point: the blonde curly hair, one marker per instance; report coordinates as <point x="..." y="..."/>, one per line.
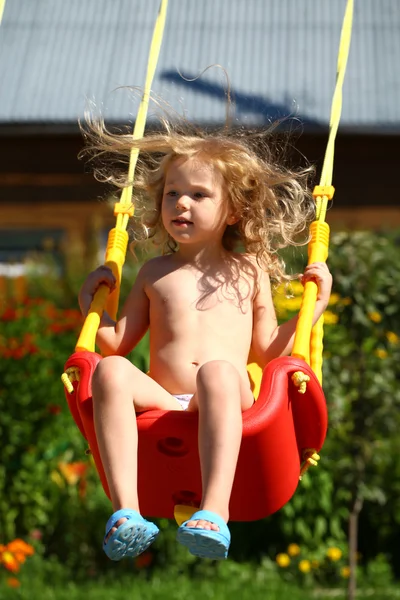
<point x="272" y="202"/>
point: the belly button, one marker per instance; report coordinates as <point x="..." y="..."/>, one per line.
<point x="195" y="364"/>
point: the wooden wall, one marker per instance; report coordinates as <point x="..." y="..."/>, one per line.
<point x="44" y="185"/>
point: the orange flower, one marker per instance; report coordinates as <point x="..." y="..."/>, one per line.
<point x="13" y="582"/>
<point x="20" y="288"/>
<point x="74" y="471"/>
<point x="20" y="547"/>
<point x="10" y="314"/>
<point x="345" y="572"/>
<point x="50" y="311"/>
<point x="10" y="562"/>
<point x="56" y="328"/>
<point x="73" y="314"/>
<point x="20" y="557"/>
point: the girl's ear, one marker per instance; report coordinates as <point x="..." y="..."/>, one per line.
<point x="232" y="219"/>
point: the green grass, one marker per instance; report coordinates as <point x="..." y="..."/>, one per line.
<point x="158" y="588"/>
<point x="170" y="587"/>
<point x="49" y="579"/>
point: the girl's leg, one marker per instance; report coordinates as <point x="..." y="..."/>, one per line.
<point x="118" y="386"/>
<point x="220" y="399"/>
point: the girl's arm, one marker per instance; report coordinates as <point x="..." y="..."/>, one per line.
<point x="118" y="337"/>
<point x="271" y="340"/>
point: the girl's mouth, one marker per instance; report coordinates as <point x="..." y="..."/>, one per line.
<point x="182" y="222"/>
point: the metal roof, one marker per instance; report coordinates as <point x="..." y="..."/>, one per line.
<point x="280" y="56"/>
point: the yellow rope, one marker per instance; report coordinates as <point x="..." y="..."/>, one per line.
<point x="126" y="197"/>
<point x="118" y="237"/>
<point x="344" y="47"/>
<point x="308" y="340"/>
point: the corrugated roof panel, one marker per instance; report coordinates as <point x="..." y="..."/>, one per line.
<point x="280" y="56"/>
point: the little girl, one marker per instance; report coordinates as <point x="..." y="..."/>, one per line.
<point x="220" y="210"/>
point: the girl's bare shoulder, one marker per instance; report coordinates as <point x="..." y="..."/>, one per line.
<point x="249" y="265"/>
<point x="254" y="272"/>
<point x="155" y="268"/>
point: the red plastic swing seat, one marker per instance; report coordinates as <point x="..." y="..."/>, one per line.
<point x="277" y="430"/>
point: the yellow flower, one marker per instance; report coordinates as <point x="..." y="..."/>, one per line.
<point x="296" y="288"/>
<point x="346" y="301"/>
<point x="381" y="353"/>
<point x="330" y="318"/>
<point x="375" y="317"/>
<point x="293" y="550"/>
<point x="305" y="566"/>
<point x="334" y="554"/>
<point x="283" y="560"/>
<point x="10" y="562"/>
<point x="57" y="479"/>
<point x="392" y="337"/>
<point x="334" y="299"/>
<point x="345" y="572"/>
<point x="315" y="564"/>
<point x="280" y="290"/>
<point x="292" y="303"/>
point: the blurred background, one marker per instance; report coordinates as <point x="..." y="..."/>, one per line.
<point x="61" y="59"/>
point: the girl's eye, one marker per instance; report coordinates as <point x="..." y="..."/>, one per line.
<point x="198" y="195"/>
<point x="172" y="193"/>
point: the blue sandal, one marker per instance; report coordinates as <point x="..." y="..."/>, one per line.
<point x="131" y="538"/>
<point x="205" y="543"/>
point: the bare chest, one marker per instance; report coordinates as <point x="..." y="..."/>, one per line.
<point x="183" y="294"/>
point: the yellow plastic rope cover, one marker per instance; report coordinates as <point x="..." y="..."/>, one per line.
<point x="308" y="340"/>
<point x="118" y="237"/>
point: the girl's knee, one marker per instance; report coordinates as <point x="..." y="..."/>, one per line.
<point x="110" y="371"/>
<point x="217" y="373"/>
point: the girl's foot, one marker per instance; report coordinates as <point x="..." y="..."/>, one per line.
<point x="128" y="534"/>
<point x="210" y="541"/>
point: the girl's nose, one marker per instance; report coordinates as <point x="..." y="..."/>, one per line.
<point x="182" y="202"/>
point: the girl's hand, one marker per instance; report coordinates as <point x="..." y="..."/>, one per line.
<point x="319" y="273"/>
<point x="102" y="275"/>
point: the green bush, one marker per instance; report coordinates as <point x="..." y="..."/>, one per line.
<point x="47" y="484"/>
<point x="49" y="487"/>
<point x="361" y="378"/>
<point x="360" y="459"/>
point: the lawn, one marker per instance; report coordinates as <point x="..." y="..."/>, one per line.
<point x="165" y="587"/>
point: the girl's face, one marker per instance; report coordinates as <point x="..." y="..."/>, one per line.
<point x="195" y="207"/>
